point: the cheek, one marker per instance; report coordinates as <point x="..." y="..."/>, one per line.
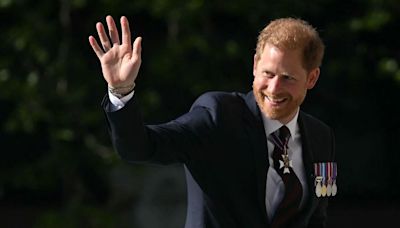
<point x="297" y="88"/>
<point x="299" y="93"/>
<point x="259" y="83"/>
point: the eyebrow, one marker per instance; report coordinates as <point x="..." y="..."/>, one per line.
<point x="285" y="73"/>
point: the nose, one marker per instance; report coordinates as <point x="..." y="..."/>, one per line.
<point x="274" y="85"/>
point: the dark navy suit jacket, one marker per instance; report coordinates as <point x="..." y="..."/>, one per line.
<point x="222" y="143"/>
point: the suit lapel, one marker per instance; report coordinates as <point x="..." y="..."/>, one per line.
<point x="308" y="160"/>
<point x="260" y="150"/>
<point x="308" y="156"/>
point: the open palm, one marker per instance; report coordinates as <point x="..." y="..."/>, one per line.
<point x="120" y="62"/>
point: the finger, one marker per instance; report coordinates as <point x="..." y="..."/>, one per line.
<point x="103" y="37"/>
<point x="96" y="48"/>
<point x="137" y="48"/>
<point x="126" y="33"/>
<point x="112" y="30"/>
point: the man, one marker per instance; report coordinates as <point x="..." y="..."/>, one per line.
<point x="251" y="160"/>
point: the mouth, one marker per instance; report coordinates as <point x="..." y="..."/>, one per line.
<point x="274" y="101"/>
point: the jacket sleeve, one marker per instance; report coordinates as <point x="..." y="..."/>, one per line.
<point x="175" y="141"/>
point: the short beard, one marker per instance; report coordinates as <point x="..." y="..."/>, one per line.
<point x="274" y="114"/>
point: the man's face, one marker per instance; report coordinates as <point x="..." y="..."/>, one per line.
<point x="281" y="83"/>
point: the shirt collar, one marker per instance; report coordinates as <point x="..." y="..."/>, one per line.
<point x="271" y="125"/>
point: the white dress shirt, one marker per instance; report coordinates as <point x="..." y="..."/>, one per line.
<point x="275" y="187"/>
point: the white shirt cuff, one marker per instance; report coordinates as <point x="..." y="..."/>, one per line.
<point x="118" y="103"/>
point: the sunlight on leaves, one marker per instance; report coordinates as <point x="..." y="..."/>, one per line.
<point x="4" y="75"/>
<point x="373" y="21"/>
<point x="32" y="79"/>
<point x="5" y="3"/>
<point x="389" y="65"/>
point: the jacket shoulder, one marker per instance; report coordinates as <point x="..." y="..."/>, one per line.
<point x="221" y="105"/>
<point x="321" y="135"/>
<point x="218" y="97"/>
<point x="312" y="122"/>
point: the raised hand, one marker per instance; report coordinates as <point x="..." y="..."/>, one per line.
<point x="120" y="62"/>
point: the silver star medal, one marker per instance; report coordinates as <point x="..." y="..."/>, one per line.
<point x="285" y="163"/>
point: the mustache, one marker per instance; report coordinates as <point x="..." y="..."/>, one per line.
<point x="274" y="96"/>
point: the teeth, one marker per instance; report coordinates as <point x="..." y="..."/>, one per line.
<point x="275" y="100"/>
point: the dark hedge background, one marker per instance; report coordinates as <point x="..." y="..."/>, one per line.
<point x="57" y="165"/>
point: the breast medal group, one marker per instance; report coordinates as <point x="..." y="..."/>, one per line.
<point x="325" y="179"/>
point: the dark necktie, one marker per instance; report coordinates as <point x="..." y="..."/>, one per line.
<point x="289" y="206"/>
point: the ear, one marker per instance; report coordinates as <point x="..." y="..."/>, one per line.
<point x="313" y="78"/>
<point x="255" y="61"/>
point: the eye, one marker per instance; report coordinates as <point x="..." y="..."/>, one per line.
<point x="268" y="74"/>
<point x="288" y="77"/>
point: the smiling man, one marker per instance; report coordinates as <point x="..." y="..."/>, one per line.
<point x="251" y="160"/>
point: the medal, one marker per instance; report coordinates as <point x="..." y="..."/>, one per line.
<point x="286" y="163"/>
<point x="325" y="179"/>
<point x="318" y="180"/>
<point x="334" y="175"/>
<point x="329" y="182"/>
<point x="334" y="188"/>
<point x="329" y="189"/>
<point x="323" y="190"/>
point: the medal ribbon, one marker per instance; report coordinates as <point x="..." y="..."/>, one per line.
<point x="278" y="142"/>
<point x="329" y="171"/>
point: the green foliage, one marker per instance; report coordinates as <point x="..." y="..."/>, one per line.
<point x="55" y="148"/>
<point x="76" y="215"/>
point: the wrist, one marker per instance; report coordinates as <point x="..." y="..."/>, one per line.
<point x="121" y="91"/>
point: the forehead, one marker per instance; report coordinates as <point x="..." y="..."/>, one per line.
<point x="279" y="59"/>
